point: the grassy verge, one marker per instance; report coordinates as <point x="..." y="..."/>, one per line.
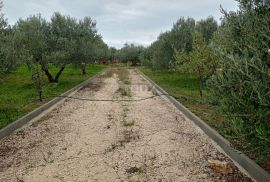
<point x="185" y="88"/>
<point x="18" y="95"/>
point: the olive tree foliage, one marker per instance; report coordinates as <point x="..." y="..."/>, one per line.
<point x="32" y="35"/>
<point x="86" y="40"/>
<point x="112" y="54"/>
<point x="200" y="62"/>
<point x="179" y="37"/>
<point x="207" y="27"/>
<point x="146" y="57"/>
<point x="181" y="34"/>
<point x="245" y="38"/>
<point x="199" y="59"/>
<point x="130" y="53"/>
<point x="101" y="49"/>
<point x="9" y="52"/>
<point x="247" y="30"/>
<point x="242" y="84"/>
<point x="161" y="53"/>
<point x="61" y="41"/>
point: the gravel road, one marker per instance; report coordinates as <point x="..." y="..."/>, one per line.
<point x="147" y="140"/>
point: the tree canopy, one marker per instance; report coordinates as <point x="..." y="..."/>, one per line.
<point x="62" y="40"/>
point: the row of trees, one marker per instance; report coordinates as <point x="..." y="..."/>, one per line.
<point x="232" y="60"/>
<point x="184" y="48"/>
<point x="130" y="53"/>
<point x="61" y="41"/>
<point x="161" y="53"/>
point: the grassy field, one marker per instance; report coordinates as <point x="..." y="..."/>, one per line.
<point x="185" y="89"/>
<point x="18" y="95"/>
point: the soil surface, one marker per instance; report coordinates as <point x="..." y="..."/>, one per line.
<point x="147" y="140"/>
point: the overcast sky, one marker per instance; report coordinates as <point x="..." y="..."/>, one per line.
<point x="120" y="21"/>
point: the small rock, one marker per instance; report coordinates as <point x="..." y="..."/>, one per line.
<point x="219" y="166"/>
<point x="134" y="178"/>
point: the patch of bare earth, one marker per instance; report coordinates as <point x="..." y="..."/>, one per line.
<point x="83" y="140"/>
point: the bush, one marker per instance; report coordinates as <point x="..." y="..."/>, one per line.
<point x="242" y="88"/>
<point x="241" y="85"/>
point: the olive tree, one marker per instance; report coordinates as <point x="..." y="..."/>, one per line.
<point x="9" y="49"/>
<point x="61" y="44"/>
<point x="207" y="27"/>
<point x="146" y="57"/>
<point x="101" y="48"/>
<point x="242" y="84"/>
<point x="49" y="43"/>
<point x="112" y="54"/>
<point x="32" y="35"/>
<point x="178" y="38"/>
<point x="161" y="53"/>
<point x="242" y="44"/>
<point x="85" y="43"/>
<point x="130" y="53"/>
<point x="200" y="61"/>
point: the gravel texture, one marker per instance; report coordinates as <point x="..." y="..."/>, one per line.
<point x="149" y="140"/>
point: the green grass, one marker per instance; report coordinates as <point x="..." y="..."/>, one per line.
<point x="185" y="88"/>
<point x="175" y="83"/>
<point x="18" y="95"/>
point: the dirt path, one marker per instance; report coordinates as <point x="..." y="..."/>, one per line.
<point x="148" y="140"/>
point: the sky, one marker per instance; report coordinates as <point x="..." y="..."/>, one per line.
<point x="122" y="21"/>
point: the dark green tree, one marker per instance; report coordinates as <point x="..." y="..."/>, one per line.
<point x="9" y="49"/>
<point x="85" y="42"/>
<point x="130" y="53"/>
<point x="242" y="83"/>
<point x="32" y="35"/>
<point x="61" y="44"/>
<point x="200" y="62"/>
<point x="207" y="27"/>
